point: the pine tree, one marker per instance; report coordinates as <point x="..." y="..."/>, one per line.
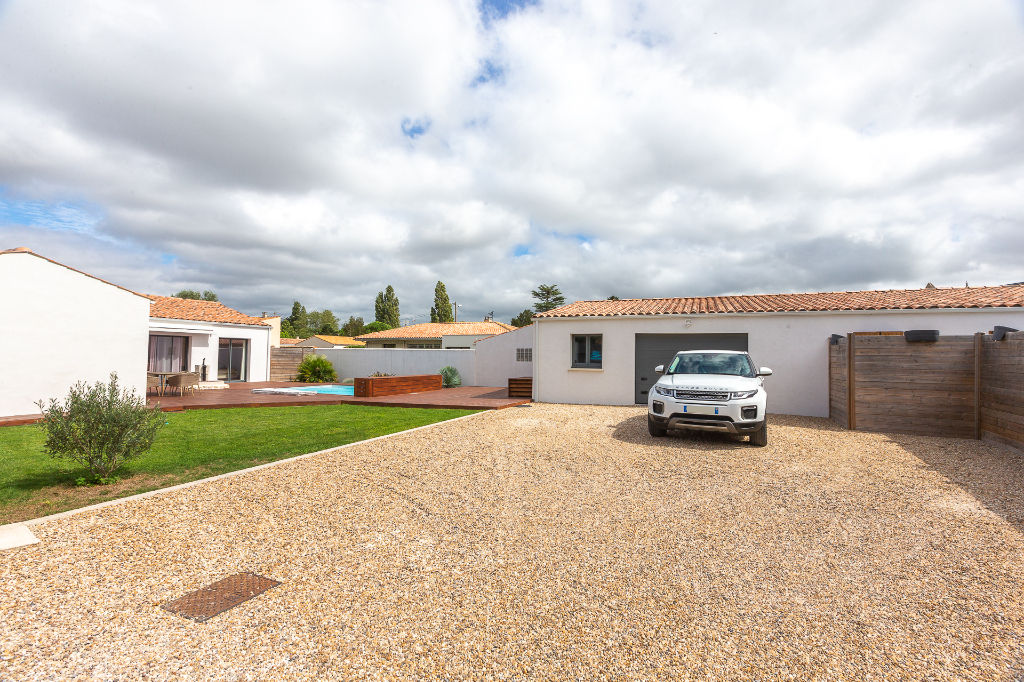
<point x="548" y="297"/>
<point x="442" y="310"/>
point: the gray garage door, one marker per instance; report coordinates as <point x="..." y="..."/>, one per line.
<point x="657" y="349"/>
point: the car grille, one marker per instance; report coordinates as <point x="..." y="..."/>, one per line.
<point x="702" y="395"/>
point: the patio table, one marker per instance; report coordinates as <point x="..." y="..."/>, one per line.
<point x="163" y="378"/>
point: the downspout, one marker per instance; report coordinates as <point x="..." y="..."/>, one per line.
<point x="536" y="375"/>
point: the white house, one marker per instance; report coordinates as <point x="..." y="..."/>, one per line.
<point x="605" y="352"/>
<point x="59" y="326"/>
<point x="186" y="334"/>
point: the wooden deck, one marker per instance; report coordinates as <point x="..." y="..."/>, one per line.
<point x="241" y="395"/>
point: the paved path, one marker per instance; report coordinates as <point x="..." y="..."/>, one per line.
<point x="550" y="542"/>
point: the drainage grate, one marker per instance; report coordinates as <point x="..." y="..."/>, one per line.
<point x="207" y="602"/>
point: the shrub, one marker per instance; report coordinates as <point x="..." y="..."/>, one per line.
<point x="450" y="377"/>
<point x="383" y="374"/>
<point x="100" y="427"/>
<point x="316" y="369"/>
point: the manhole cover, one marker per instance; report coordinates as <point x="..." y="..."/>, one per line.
<point x="207" y="602"/>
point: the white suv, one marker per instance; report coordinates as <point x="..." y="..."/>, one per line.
<point x="710" y="390"/>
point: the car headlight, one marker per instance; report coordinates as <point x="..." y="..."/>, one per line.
<point x="740" y="395"/>
<point x="661" y="390"/>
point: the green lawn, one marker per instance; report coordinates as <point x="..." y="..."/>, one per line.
<point x="193" y="444"/>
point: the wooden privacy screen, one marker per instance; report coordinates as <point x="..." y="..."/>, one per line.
<point x="284" y="362"/>
<point x="958" y="386"/>
<point x="374" y="387"/>
<point x="1002" y="388"/>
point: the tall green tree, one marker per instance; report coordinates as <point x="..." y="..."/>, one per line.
<point x="442" y="310"/>
<point x="298" y="319"/>
<point x="386" y="308"/>
<point x="321" y="322"/>
<point x="207" y="295"/>
<point x="522" y="319"/>
<point x="548" y="298"/>
<point x="287" y="330"/>
<point x="354" y="327"/>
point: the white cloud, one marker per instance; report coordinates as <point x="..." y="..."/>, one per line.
<point x="647" y="149"/>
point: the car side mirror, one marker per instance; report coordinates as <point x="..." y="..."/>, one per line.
<point x="660" y="369"/>
<point x="764" y="372"/>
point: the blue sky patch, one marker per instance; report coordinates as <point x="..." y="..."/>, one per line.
<point x="52" y="215"/>
<point x="521" y="250"/>
<point x="489" y="71"/>
<point x="492" y="10"/>
<point x="413" y="128"/>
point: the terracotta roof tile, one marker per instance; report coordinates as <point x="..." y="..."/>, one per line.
<point x="1010" y="296"/>
<point x="172" y="308"/>
<point x="435" y="330"/>
<point x="290" y="342"/>
<point x="339" y="340"/>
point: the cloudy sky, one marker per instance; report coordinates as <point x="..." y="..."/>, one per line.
<point x="321" y="150"/>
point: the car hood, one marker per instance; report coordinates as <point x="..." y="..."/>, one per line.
<point x="709" y="382"/>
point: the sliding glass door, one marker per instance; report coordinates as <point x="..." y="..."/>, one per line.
<point x="168" y="353"/>
<point x="232" y="357"/>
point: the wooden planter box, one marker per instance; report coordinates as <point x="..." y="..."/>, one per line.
<point x="374" y="387"/>
<point x="520" y="387"/>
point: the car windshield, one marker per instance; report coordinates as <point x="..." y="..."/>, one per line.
<point x="736" y="364"/>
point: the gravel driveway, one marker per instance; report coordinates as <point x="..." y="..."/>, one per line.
<point x="550" y="541"/>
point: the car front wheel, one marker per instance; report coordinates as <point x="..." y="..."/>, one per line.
<point x="654" y="429"/>
<point x="759" y="438"/>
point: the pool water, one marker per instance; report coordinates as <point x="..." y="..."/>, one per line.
<point x="330" y="389"/>
<point x="326" y="389"/>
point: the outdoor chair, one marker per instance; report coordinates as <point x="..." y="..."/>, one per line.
<point x="153" y="383"/>
<point x="184" y="382"/>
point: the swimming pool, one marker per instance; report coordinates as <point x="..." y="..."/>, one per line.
<point x="326" y="389"/>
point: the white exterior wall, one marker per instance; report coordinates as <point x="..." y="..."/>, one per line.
<point x="362" y="362"/>
<point x="461" y="340"/>
<point x="496" y="357"/>
<point x="59" y="326"/>
<point x="204" y="341"/>
<point x="794" y="345"/>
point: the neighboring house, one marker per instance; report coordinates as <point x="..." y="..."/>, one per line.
<point x="435" y="335"/>
<point x="186" y="334"/>
<point x="503" y="356"/>
<point x="605" y="352"/>
<point x="275" y="329"/>
<point x="81" y="328"/>
<point x="288" y="343"/>
<point x="328" y="341"/>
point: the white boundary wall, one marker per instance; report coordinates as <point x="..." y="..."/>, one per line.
<point x="496" y="357"/>
<point x="362" y="362"/>
<point x="59" y="326"/>
<point x="794" y="345"/>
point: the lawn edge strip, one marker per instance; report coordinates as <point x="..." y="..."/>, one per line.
<point x="199" y="481"/>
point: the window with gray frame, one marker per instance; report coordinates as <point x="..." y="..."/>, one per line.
<point x="586" y="351"/>
<point x="524" y="355"/>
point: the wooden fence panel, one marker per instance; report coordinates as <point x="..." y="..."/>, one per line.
<point x="958" y="386"/>
<point x="1002" y="389"/>
<point x="284" y="362"/>
<point x="925" y="388"/>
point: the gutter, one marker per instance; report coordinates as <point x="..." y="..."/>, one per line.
<point x="884" y="311"/>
